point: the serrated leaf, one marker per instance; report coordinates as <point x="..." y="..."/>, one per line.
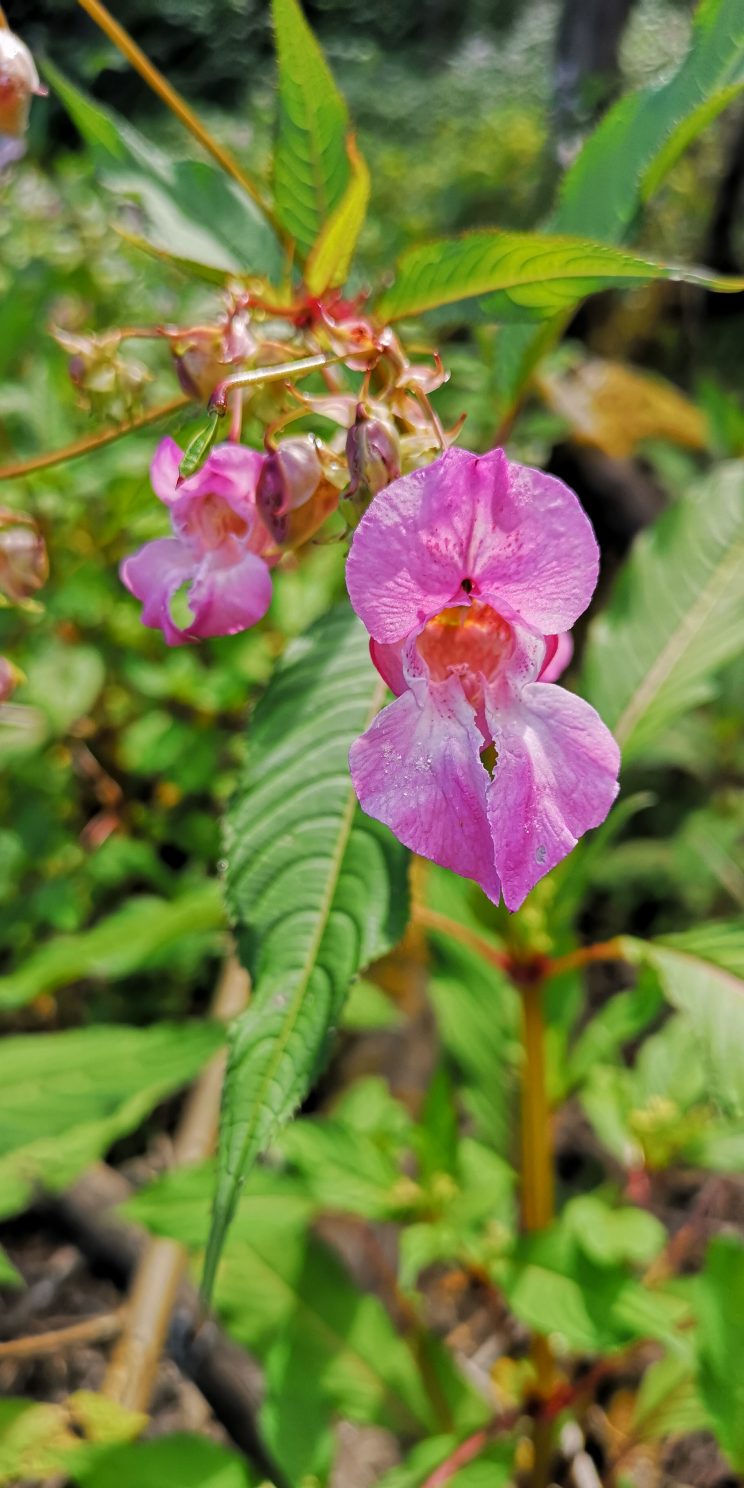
<point x="195" y="215"/>
<point x="126" y="941"/>
<point x="627" y="157"/>
<point x="332" y="253"/>
<point x="675" y="617"/>
<point x="310" y="163"/>
<point x="68" y="1096"/>
<point x="702" y="974"/>
<point x="523" y="276"/>
<point x="317" y="889"/>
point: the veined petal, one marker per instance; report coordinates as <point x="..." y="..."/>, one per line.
<point x="532" y="547"/>
<point x="418" y="769"/>
<point x="389" y="661"/>
<point x="227" y="598"/>
<point x="409" y="554"/>
<point x="152" y="575"/>
<point x="164" y="470"/>
<point x="510" y="536"/>
<point x="555" y="777"/>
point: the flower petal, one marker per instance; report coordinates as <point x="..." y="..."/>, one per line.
<point x="516" y="537"/>
<point x="533" y="549"/>
<point x="153" y="574"/>
<point x="390" y="663"/>
<point x="164" y="470"/>
<point x="418" y="769"/>
<point x="560" y="649"/>
<point x="555" y="777"/>
<point x="408" y="557"/>
<point x="227" y="598"/>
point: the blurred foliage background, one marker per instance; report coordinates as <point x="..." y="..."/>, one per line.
<point x="121" y="754"/>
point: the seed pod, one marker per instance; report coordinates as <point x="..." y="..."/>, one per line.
<point x="18" y="81"/>
<point x="293" y="495"/>
<point x="23" y="557"/>
<point x="373" y="456"/>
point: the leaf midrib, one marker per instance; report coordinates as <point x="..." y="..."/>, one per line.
<point x="309" y="963"/>
<point x="678" y="643"/>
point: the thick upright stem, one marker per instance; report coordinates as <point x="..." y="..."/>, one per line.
<point x="537" y="1188"/>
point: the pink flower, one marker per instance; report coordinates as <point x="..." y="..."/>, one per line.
<point x="467" y="574"/>
<point x="221" y="548"/>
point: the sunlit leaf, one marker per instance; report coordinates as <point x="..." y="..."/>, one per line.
<point x="317" y="889"/>
<point x="311" y="168"/>
<point x="68" y="1096"/>
<point x="331" y="255"/>
<point x="194" y="214"/>
<point x="627" y="157"/>
<point x="129" y="939"/>
<point x="702" y="974"/>
<point x="676" y="615"/>
<point x="522" y="276"/>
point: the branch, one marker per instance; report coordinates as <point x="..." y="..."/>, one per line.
<point x="430" y="919"/>
<point x="131" y="1373"/>
<point x="173" y="100"/>
<point x="92" y="441"/>
<point x="99" y="1329"/>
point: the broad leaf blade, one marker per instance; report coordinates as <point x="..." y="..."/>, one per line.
<point x="310" y="164"/>
<point x="329" y="261"/>
<point x="196" y="217"/>
<point x="702" y="974"/>
<point x="676" y="615"/>
<point x="720" y="1313"/>
<point x="68" y="1096"/>
<point x="522" y="276"/>
<point x="317" y="889"/>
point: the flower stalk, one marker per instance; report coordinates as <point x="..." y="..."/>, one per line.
<point x="537" y="1189"/>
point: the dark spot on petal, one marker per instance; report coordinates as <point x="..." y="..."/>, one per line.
<point x="467" y="585"/>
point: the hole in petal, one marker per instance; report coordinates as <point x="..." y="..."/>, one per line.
<point x="488" y="756"/>
<point x="467" y="585"/>
<point x="179" y="608"/>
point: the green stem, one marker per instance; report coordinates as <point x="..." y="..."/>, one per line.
<point x="537" y="1191"/>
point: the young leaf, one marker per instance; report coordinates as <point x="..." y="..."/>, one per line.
<point x="522" y="276"/>
<point x="702" y="974"/>
<point x="317" y="889"/>
<point x="627" y="157"/>
<point x="196" y="217"/>
<point x="68" y="1096"/>
<point x="675" y="617"/>
<point x="310" y="164"/>
<point x="331" y="254"/>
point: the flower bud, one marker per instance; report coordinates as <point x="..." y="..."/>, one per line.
<point x="18" y="81"/>
<point x="372" y="454"/>
<point x="293" y="496"/>
<point x="23" y="557"/>
<point x="10" y="676"/>
<point x="204" y="356"/>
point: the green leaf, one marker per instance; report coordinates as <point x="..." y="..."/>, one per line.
<point x="326" y="1348"/>
<point x="68" y="1096"/>
<point x="720" y="1343"/>
<point x="317" y="889"/>
<point x="522" y="276"/>
<point x="64" y="682"/>
<point x="331" y="255"/>
<point x="611" y="1236"/>
<point x="675" y="617"/>
<point x="626" y="158"/>
<point x="702" y="974"/>
<point x="178" y="1461"/>
<point x="668" y="1402"/>
<point x="9" y="1276"/>
<point x="134" y="936"/>
<point x="195" y="215"/>
<point x="198" y="448"/>
<point x="311" y="169"/>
